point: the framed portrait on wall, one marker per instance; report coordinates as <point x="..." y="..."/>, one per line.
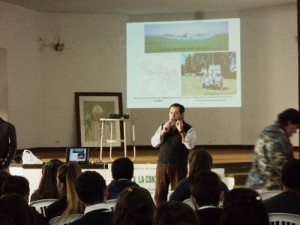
<point x="90" y="108"/>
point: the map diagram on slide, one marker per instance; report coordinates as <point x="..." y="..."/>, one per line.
<point x="159" y="76"/>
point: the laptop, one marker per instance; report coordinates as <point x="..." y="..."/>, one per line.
<point x="77" y="154"/>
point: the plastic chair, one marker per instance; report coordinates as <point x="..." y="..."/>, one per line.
<point x="284" y="219"/>
<point x="268" y="194"/>
<point x="42" y="204"/>
<point x="189" y="202"/>
<point x="58" y="220"/>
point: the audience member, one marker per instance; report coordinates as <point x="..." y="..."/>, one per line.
<point x="8" y="144"/>
<point x="175" y="213"/>
<point x="135" y="206"/>
<point x="243" y="206"/>
<point x="68" y="202"/>
<point x="92" y="191"/>
<point x="206" y="191"/>
<point x="199" y="160"/>
<point x="15" y="211"/>
<point x="174" y="139"/>
<point x="47" y="187"/>
<point x="20" y="185"/>
<point x="122" y="173"/>
<point x="289" y="200"/>
<point x="3" y="175"/>
<point x="272" y="149"/>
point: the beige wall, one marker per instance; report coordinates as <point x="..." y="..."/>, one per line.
<point x="41" y="82"/>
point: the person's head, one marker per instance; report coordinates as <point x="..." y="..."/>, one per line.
<point x="289" y="120"/>
<point x="243" y="206"/>
<point x="16" y="184"/>
<point x="175" y="213"/>
<point x="199" y="160"/>
<point x="176" y="112"/>
<point x="16" y="210"/>
<point x="97" y="112"/>
<point x="49" y="169"/>
<point x="290" y="175"/>
<point x="134" y="206"/>
<point x="122" y="168"/>
<point x="48" y="186"/>
<point x="205" y="188"/>
<point x="66" y="177"/>
<point x="91" y="188"/>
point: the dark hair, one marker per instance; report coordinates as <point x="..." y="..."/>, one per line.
<point x="122" y="168"/>
<point x="3" y="175"/>
<point x="289" y="115"/>
<point x="90" y="187"/>
<point x="290" y="175"/>
<point x="205" y="186"/>
<point x="243" y="206"/>
<point x="199" y="160"/>
<point x="177" y="105"/>
<point x="134" y="206"/>
<point x="16" y="210"/>
<point x="15" y="184"/>
<point x="48" y="186"/>
<point x="4" y="219"/>
<point x="175" y="213"/>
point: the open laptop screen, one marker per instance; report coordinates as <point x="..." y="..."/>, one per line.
<point x="77" y="154"/>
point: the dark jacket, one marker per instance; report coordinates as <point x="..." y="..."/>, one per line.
<point x="8" y="143"/>
<point x="182" y="191"/>
<point x="56" y="208"/>
<point x="116" y="186"/>
<point x="285" y="202"/>
<point x="95" y="217"/>
<point x="209" y="216"/>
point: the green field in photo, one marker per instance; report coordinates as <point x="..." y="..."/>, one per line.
<point x="192" y="86"/>
<point x="163" y="44"/>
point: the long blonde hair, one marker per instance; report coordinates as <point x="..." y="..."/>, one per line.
<point x="67" y="174"/>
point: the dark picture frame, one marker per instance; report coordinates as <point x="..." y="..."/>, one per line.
<point x="90" y="107"/>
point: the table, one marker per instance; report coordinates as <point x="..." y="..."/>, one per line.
<point x="113" y="139"/>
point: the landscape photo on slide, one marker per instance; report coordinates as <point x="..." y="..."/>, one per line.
<point x="186" y="37"/>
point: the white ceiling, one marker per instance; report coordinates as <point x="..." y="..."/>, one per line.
<point x="135" y="7"/>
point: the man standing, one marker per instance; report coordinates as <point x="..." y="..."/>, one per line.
<point x="174" y="138"/>
<point x="8" y="143"/>
<point x="272" y="149"/>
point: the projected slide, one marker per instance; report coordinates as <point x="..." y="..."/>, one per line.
<point x="195" y="63"/>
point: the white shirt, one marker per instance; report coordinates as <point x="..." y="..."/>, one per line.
<point x="189" y="141"/>
<point x="95" y="207"/>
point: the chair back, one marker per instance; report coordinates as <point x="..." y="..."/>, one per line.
<point x="268" y="194"/>
<point x="284" y="219"/>
<point x="59" y="220"/>
<point x="42" y="204"/>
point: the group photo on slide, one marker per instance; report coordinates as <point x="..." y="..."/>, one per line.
<point x="209" y="73"/>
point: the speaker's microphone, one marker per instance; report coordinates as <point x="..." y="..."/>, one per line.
<point x="171" y="123"/>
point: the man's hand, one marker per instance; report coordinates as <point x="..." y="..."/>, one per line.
<point x="179" y="125"/>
